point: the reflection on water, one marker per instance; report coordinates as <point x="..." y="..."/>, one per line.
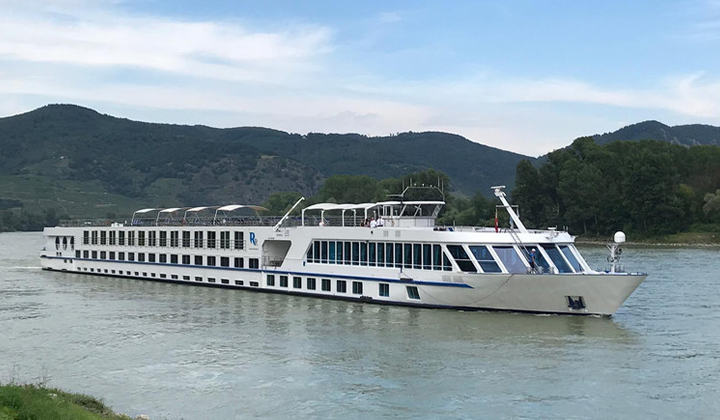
<point x="176" y="351"/>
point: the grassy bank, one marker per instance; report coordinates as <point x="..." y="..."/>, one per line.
<point x="40" y="403"/>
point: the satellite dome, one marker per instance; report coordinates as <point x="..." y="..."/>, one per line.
<point x="619" y="237"/>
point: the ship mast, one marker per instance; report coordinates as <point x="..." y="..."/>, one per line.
<point x="499" y="193"/>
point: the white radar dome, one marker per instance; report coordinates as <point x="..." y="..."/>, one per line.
<point x="619" y="237"/>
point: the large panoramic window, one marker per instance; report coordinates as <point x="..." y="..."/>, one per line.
<point x="511" y="259"/>
<point x="571" y="257"/>
<point x="557" y="258"/>
<point x="461" y="258"/>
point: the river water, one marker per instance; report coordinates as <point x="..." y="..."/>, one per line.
<point x="185" y="352"/>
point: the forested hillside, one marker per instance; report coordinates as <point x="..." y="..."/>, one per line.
<point x="687" y="135"/>
<point x="80" y="163"/>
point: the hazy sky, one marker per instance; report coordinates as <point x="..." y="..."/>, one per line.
<point x="527" y="76"/>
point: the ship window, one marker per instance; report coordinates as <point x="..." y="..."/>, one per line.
<point x="254" y="284"/>
<point x="172" y="276"/>
<point x="111" y="255"/>
<point x="270" y="279"/>
<point x="355" y="253"/>
<point x="309" y="256"/>
<point x="173" y="259"/>
<point x="297" y="282"/>
<point x="412" y="292"/>
<point x="283" y="281"/>
<point x="186" y="277"/>
<point x="141" y="256"/>
<point x="253" y="263"/>
<point x="347" y="247"/>
<point x="427" y="256"/>
<point x="324" y="252"/>
<point x="437" y="257"/>
<point x="198" y="260"/>
<point x="163" y="238"/>
<point x="225" y="239"/>
<point x="198" y="239"/>
<point x="381" y="254"/>
<point x="131" y="238"/>
<point x="571" y="258"/>
<point x="211" y="280"/>
<point x="341" y="286"/>
<point x="239" y="240"/>
<point x="211" y="261"/>
<point x="225" y="281"/>
<point x="103" y="255"/>
<point x="325" y="284"/>
<point x="174" y="235"/>
<point x="141" y="237"/>
<point x="224" y="261"/>
<point x="311" y="283"/>
<point x="389" y="253"/>
<point x="487" y="262"/>
<point x="152" y="238"/>
<point x="372" y="253"/>
<point x="131" y="256"/>
<point x="407" y="255"/>
<point x="186" y="239"/>
<point x="198" y="278"/>
<point x="151" y="257"/>
<point x="331" y="252"/>
<point x="417" y="256"/>
<point x="357" y="287"/>
<point x="316" y="251"/>
<point x="384" y="289"/>
<point x="94" y="254"/>
<point x="186" y="259"/>
<point x="94" y="237"/>
<point x="238" y="282"/>
<point x="121" y="237"/>
<point x="363" y="253"/>
<point x="121" y="256"/>
<point x="103" y="237"/>
<point x="461" y="258"/>
<point x="211" y="239"/>
<point x="339" y="252"/>
<point x="77" y="254"/>
<point x="238" y="262"/>
<point x="557" y="258"/>
<point x="86" y="237"/>
<point x="163" y="258"/>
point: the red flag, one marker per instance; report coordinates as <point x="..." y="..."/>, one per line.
<point x="497" y="229"/>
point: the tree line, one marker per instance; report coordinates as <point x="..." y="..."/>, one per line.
<point x="648" y="188"/>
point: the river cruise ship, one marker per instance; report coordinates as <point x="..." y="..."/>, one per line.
<point x="387" y="252"/>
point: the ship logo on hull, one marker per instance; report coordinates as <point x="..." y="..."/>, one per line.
<point x="253" y="239"/>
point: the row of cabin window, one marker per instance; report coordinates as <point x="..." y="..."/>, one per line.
<point x="379" y="254"/>
<point x="164" y="276"/>
<point x="210" y="261"/>
<point x="155" y="238"/>
<point x="340" y="285"/>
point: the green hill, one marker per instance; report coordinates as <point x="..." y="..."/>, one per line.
<point x="86" y="164"/>
<point x="686" y="135"/>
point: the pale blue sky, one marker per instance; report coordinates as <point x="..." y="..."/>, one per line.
<point x="526" y="76"/>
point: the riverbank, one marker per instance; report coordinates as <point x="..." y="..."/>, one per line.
<point x="40" y="403"/>
<point x="680" y="240"/>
